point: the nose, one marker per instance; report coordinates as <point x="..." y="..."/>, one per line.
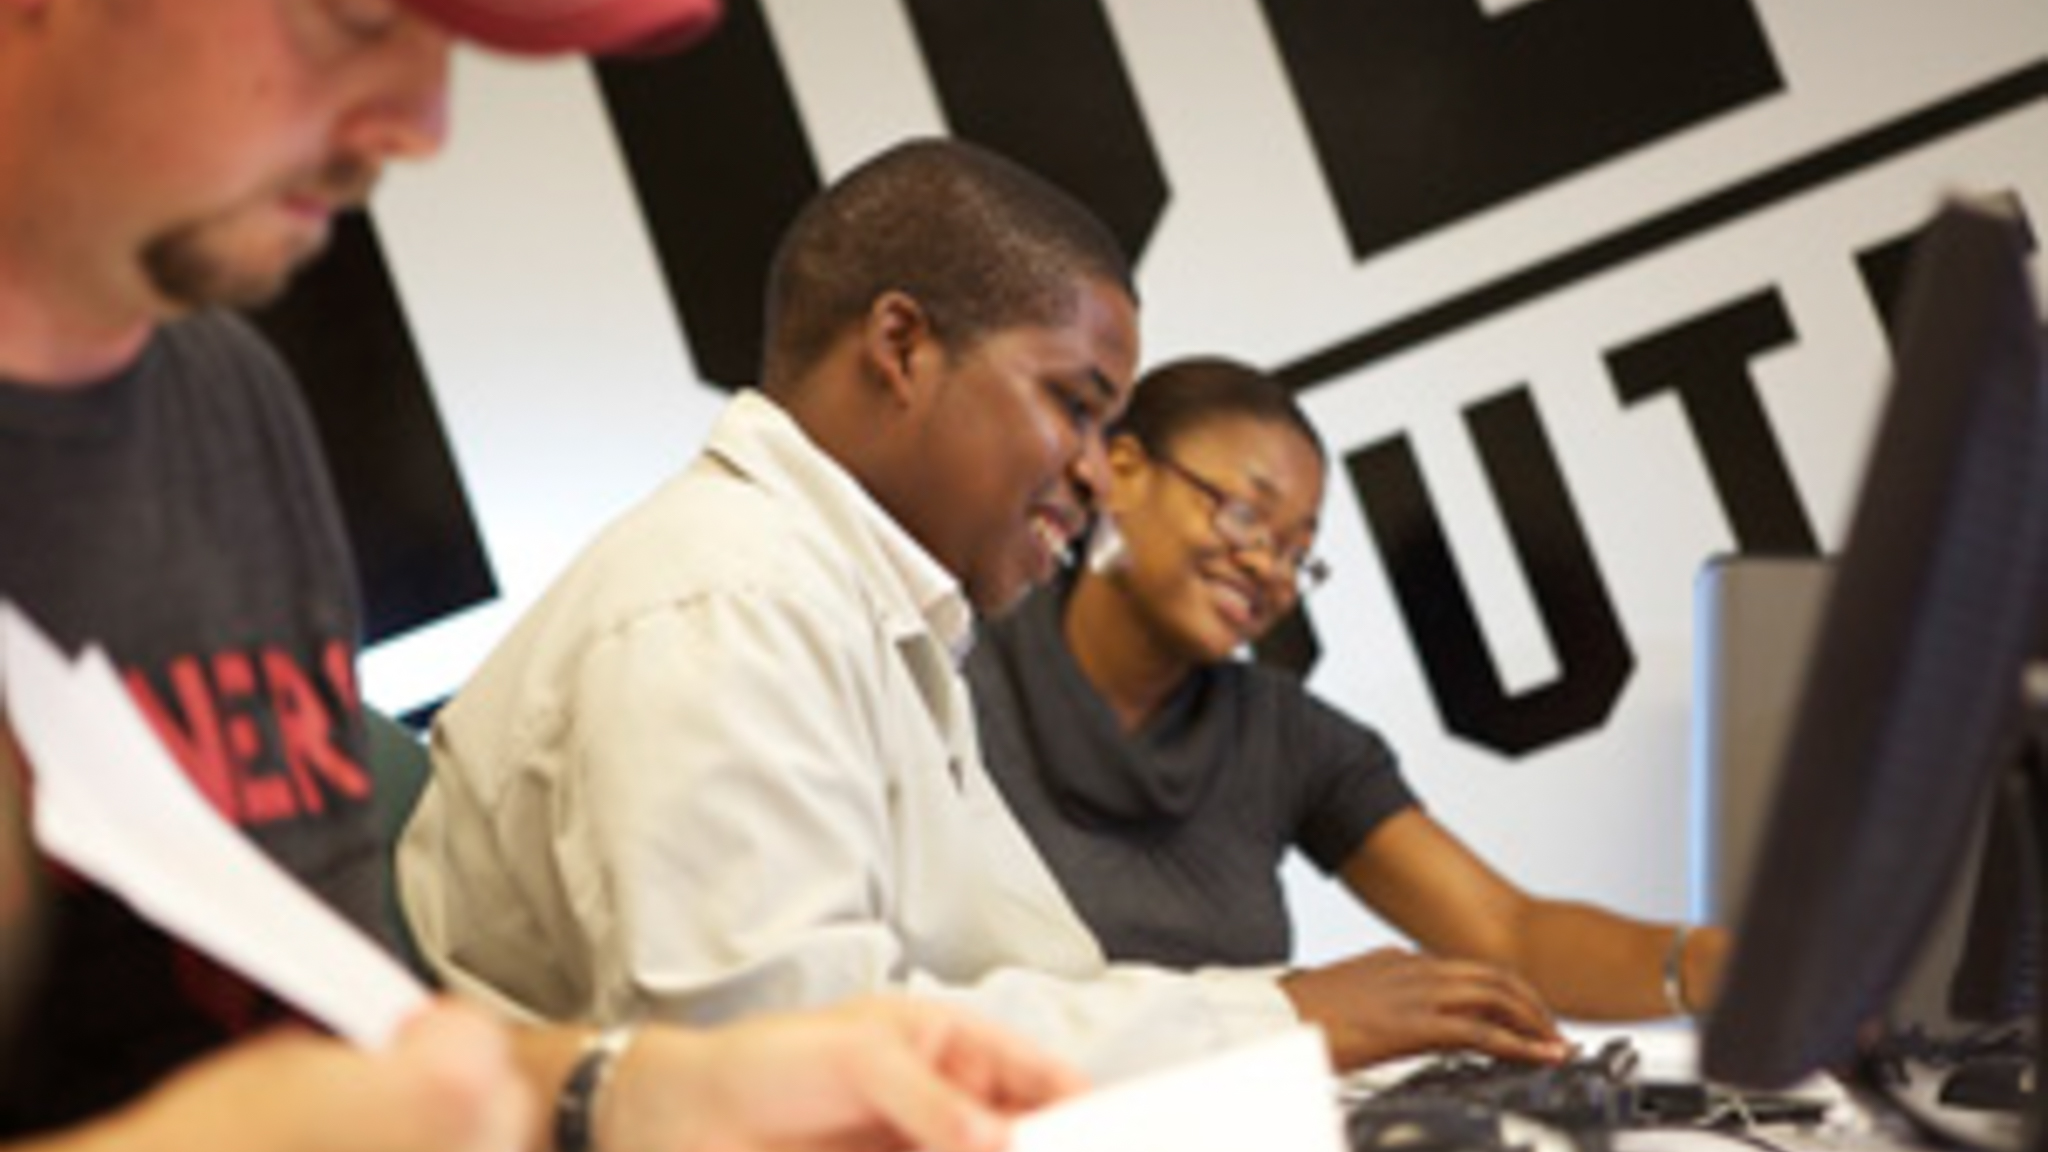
<point x="403" y="114"/>
<point x="1258" y="557"/>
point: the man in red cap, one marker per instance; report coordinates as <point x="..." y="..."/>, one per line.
<point x="161" y="496"/>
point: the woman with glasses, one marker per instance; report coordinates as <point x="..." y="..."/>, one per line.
<point x="1164" y="779"/>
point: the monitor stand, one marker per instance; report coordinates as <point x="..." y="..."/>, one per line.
<point x="1986" y="1098"/>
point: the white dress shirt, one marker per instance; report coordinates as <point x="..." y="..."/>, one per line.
<point x="728" y="764"/>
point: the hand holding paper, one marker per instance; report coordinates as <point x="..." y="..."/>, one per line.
<point x="112" y="805"/>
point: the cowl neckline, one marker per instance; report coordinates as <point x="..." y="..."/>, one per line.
<point x="1156" y="776"/>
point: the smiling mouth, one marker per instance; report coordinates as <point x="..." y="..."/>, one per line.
<point x="1241" y="608"/>
<point x="1057" y="542"/>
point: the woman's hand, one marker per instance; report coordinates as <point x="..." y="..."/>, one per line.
<point x="1393" y="1002"/>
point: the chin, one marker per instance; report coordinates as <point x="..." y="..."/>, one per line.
<point x="191" y="287"/>
<point x="200" y="267"/>
<point x="1209" y="641"/>
<point x="996" y="597"/>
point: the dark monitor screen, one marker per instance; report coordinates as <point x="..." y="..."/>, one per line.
<point x="1911" y="699"/>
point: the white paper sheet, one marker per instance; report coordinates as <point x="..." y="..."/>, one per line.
<point x="1275" y="1095"/>
<point x="111" y="804"/>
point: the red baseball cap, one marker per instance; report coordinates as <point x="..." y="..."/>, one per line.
<point x="600" y="27"/>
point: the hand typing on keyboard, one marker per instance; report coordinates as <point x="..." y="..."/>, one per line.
<point x="1393" y="1002"/>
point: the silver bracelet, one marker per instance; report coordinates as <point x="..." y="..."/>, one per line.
<point x="576" y="1107"/>
<point x="1674" y="972"/>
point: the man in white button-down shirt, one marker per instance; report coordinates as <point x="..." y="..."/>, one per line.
<point x="728" y="763"/>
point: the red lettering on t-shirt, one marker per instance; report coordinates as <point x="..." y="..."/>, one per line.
<point x="266" y="797"/>
<point x="306" y="729"/>
<point x="260" y="734"/>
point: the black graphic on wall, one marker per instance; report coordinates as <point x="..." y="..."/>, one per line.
<point x="1431" y="322"/>
<point x="1635" y="240"/>
<point x="340" y="328"/>
<point x="1704" y="362"/>
<point x="1043" y="84"/>
<point x="720" y="163"/>
<point x="1549" y="541"/>
<point x="1425" y="112"/>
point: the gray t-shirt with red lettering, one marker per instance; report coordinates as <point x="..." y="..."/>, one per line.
<point x="179" y="516"/>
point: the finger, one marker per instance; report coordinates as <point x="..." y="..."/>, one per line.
<point x="990" y="1062"/>
<point x="1484" y="990"/>
<point x="927" y="1109"/>
<point x="1005" y="1070"/>
<point x="1520" y="1010"/>
<point x="1508" y="1044"/>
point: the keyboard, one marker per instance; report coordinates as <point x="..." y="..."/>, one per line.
<point x="1990" y="1069"/>
<point x="1467" y="1103"/>
<point x="1586" y="1091"/>
<point x="1973" y="1089"/>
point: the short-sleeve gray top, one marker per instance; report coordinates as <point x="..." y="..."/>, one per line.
<point x="1169" y="840"/>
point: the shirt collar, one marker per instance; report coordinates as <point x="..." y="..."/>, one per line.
<point x="760" y="438"/>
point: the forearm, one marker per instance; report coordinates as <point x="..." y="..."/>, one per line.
<point x="1127" y="1018"/>
<point x="445" y="1086"/>
<point x="1584" y="961"/>
<point x="544" y="1056"/>
<point x="632" y="1090"/>
<point x="1595" y="965"/>
<point x="1110" y="1021"/>
<point x="115" y="1133"/>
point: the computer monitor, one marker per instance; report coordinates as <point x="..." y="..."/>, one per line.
<point x="1996" y="977"/>
<point x="1913" y="704"/>
<point x="1756" y="617"/>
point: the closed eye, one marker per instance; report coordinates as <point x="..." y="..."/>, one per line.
<point x="1080" y="413"/>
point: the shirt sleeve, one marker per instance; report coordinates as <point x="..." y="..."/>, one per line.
<point x="743" y="846"/>
<point x="1350" y="780"/>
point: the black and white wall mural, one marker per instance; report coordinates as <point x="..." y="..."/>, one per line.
<point x="1580" y="292"/>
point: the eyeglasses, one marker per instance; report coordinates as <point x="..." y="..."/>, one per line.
<point x="1243" y="528"/>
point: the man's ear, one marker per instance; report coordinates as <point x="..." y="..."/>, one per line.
<point x="897" y="341"/>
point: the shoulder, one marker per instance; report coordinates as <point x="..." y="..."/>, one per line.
<point x="1319" y="728"/>
<point x="215" y="370"/>
<point x="710" y="530"/>
<point x="711" y="546"/>
<point x="220" y="345"/>
<point x="709" y="589"/>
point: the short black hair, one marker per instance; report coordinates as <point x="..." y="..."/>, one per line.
<point x="1179" y="396"/>
<point x="977" y="240"/>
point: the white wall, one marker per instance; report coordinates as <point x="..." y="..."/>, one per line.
<point x="567" y="392"/>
